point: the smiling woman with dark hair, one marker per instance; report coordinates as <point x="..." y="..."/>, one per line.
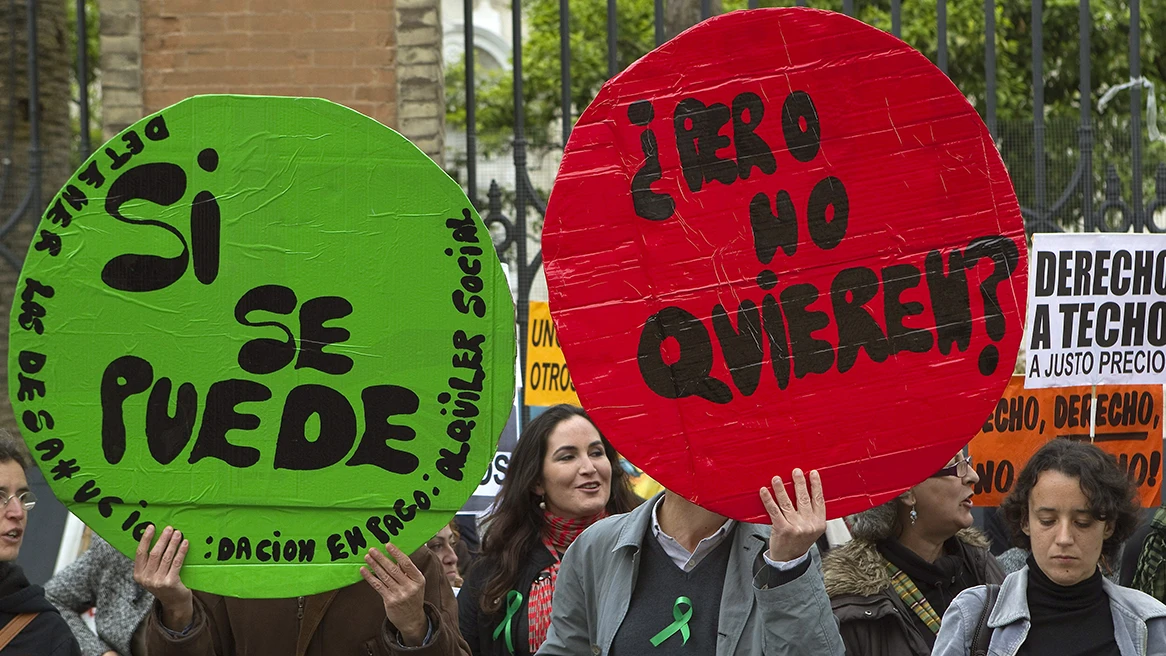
<point x="563" y="477"/>
<point x="1071" y="506"/>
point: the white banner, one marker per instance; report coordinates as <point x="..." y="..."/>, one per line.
<point x="483" y="497"/>
<point x="1096" y="310"/>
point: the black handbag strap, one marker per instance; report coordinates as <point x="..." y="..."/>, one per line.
<point x="983" y="635"/>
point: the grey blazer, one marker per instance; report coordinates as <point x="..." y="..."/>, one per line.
<point x="103" y="578"/>
<point x="599" y="571"/>
<point x="1139" y="620"/>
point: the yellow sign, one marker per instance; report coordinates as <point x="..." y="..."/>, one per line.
<point x="547" y="381"/>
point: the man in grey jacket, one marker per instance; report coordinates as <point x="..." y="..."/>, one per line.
<point x="673" y="578"/>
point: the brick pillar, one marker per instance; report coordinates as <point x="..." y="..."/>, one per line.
<point x="342" y="50"/>
<point x="420" y="77"/>
<point x="121" y="65"/>
<point x="379" y="57"/>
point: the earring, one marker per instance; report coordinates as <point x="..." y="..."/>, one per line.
<point x="542" y="503"/>
<point x="914" y="516"/>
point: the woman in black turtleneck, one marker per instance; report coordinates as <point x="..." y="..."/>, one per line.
<point x="1071" y="506"/>
<point x="910" y="557"/>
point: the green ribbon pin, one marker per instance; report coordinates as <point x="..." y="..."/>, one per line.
<point x="513" y="603"/>
<point x="681" y="623"/>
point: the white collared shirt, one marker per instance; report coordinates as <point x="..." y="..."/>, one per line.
<point x="688" y="561"/>
<point x="676" y="551"/>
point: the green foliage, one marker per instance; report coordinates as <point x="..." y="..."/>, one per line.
<point x="1109" y="65"/>
<point x="494" y="96"/>
<point x="541" y="70"/>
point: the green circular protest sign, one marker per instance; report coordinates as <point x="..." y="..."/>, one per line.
<point x="271" y="323"/>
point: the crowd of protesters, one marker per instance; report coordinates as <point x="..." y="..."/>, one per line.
<point x="573" y="562"/>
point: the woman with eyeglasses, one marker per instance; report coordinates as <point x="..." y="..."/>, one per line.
<point x="40" y="629"/>
<point x="1071" y="506"/>
<point x="908" y="560"/>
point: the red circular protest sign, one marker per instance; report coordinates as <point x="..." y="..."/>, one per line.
<point x="785" y="239"/>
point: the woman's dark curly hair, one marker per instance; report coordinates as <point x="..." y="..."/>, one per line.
<point x="1104" y="484"/>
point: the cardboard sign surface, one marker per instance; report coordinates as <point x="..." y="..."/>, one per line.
<point x="547" y="380"/>
<point x="1096" y="310"/>
<point x="785" y="239"/>
<point x="272" y="323"/>
<point x="1125" y="420"/>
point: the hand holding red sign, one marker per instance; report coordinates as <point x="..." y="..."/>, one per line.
<point x="807" y="250"/>
<point x="795" y="529"/>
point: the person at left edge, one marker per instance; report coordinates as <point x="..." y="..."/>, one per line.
<point x="671" y="577"/>
<point x="402" y="607"/>
<point x="47" y="634"/>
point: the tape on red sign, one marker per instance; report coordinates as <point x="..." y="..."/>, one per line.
<point x="785" y="239"/>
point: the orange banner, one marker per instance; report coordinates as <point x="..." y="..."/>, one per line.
<point x="1125" y="421"/>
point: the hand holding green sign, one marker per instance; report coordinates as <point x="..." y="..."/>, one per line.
<point x="272" y="323"/>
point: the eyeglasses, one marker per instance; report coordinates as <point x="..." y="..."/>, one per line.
<point x="27" y="499"/>
<point x="960" y="469"/>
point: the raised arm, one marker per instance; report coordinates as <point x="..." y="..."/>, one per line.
<point x="797" y="620"/>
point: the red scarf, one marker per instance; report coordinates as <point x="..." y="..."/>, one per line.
<point x="558" y="534"/>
